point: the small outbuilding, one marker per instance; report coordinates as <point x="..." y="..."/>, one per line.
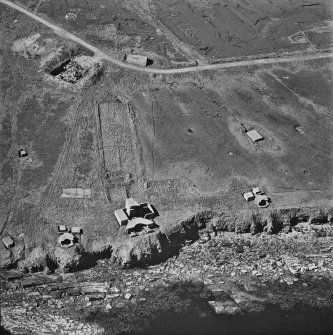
<point x="254" y="135"/>
<point x="248" y="196"/>
<point x="76" y="230"/>
<point x="121" y="216"/>
<point x="137" y="60"/>
<point x="62" y="229"/>
<point x="8" y="242"/>
<point x="22" y="153"/>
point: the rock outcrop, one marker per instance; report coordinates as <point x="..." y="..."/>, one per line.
<point x="68" y="259"/>
<point x="272" y="222"/>
<point x="143" y="249"/>
<point x="36" y="260"/>
<point x="228" y="307"/>
<point x="10" y="257"/>
<point x="158" y="246"/>
<point x="5" y="256"/>
<point x="18" y="251"/>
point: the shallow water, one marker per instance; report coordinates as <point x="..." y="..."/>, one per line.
<point x="300" y="320"/>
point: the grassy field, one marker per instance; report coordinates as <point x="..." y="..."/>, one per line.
<point x="226" y="29"/>
<point x="192" y="129"/>
<point x="181" y="138"/>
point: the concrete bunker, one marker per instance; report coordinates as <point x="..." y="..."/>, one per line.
<point x="138" y="218"/>
<point x="259" y="197"/>
<point x="262" y="200"/>
<point x="66" y="240"/>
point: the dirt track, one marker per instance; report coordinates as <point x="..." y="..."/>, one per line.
<point x="99" y="53"/>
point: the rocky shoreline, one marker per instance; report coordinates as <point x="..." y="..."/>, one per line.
<point x="237" y="258"/>
<point x="166" y="242"/>
<point x="242" y="272"/>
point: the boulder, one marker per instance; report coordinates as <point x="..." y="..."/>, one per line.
<point x="205" y="237"/>
<point x="228" y="307"/>
<point x="40" y="280"/>
<point x="330" y="215"/>
<point x="293" y="264"/>
<point x="243" y="297"/>
<point x="94" y="297"/>
<point x="11" y="274"/>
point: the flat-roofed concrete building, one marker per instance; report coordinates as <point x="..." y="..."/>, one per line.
<point x="8" y="242"/>
<point x="254" y="135"/>
<point x="248" y="196"/>
<point x="137" y="60"/>
<point x="136" y="216"/>
<point x="121" y="216"/>
<point x="76" y="230"/>
<point x="62" y="229"/>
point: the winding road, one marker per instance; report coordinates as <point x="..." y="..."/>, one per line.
<point x="102" y="55"/>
